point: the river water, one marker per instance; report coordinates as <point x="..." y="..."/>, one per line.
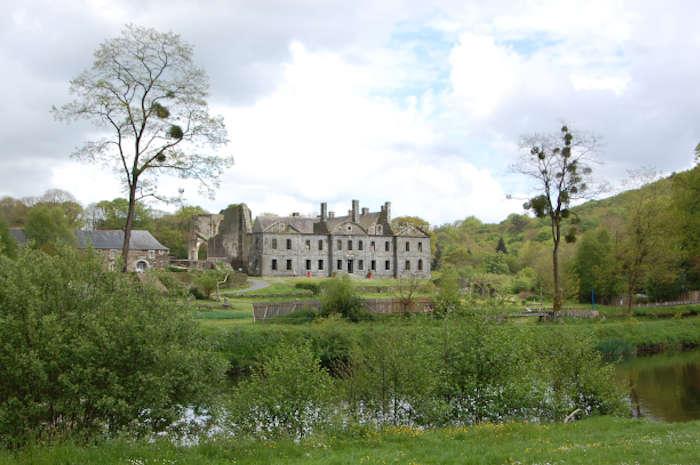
<point x="663" y="387"/>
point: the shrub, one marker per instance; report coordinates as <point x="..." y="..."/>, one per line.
<point x="338" y="295"/>
<point x="86" y="351"/>
<point x="315" y="288"/>
<point x="289" y="395"/>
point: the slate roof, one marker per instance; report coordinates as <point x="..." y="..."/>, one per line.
<point x="303" y="224"/>
<point x="19" y="235"/>
<point x="114" y="238"/>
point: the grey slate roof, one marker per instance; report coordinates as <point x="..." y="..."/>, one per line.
<point x="19" y="235"/>
<point x="302" y="224"/>
<point x="114" y="238"/>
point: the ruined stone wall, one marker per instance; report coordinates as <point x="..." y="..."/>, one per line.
<point x="227" y="235"/>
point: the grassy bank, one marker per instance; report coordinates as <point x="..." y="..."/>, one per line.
<point x="600" y="440"/>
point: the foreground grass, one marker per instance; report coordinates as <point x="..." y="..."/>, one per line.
<point x="600" y="440"/>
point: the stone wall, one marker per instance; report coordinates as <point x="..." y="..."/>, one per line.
<point x="153" y="259"/>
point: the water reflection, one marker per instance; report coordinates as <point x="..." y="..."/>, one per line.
<point x="663" y="387"/>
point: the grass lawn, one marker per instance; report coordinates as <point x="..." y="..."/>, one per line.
<point x="603" y="440"/>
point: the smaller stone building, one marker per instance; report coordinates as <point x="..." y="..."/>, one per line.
<point x="145" y="252"/>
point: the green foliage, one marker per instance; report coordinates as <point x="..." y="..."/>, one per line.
<point x="85" y="351"/>
<point x="315" y="288"/>
<point x="595" y="266"/>
<point x="48" y="228"/>
<point x="448" y="299"/>
<point x="338" y="295"/>
<point x="111" y="214"/>
<point x="173" y="230"/>
<point x="289" y="395"/>
<point x="8" y="245"/>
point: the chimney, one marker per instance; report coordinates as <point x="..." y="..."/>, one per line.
<point x="331" y="214"/>
<point x="296" y="214"/>
<point x="324" y="211"/>
<point x="355" y="210"/>
<point x="365" y="211"/>
<point x="387" y="211"/>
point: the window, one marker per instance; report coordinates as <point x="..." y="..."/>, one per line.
<point x="408" y="246"/>
<point x="274" y="264"/>
<point x="274" y="243"/>
<point x="379" y="229"/>
<point x="387" y="265"/>
<point x="349" y="244"/>
<point x="386" y="246"/>
<point x="361" y="265"/>
<point x="307" y="244"/>
<point x="308" y="265"/>
<point x="320" y="264"/>
<point x="151" y="254"/>
<point x="373" y="265"/>
<point x="420" y="246"/>
<point x="372" y="246"/>
<point x="360" y="245"/>
<point x="420" y="263"/>
<point x="320" y="244"/>
<point x="289" y="244"/>
<point x="339" y="245"/>
<point x="340" y="265"/>
<point x="349" y="228"/>
<point x="289" y="264"/>
<point x="407" y="266"/>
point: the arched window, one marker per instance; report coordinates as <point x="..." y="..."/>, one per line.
<point x="141" y="266"/>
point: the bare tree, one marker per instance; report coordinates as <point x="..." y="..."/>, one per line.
<point x="560" y="164"/>
<point x="148" y="96"/>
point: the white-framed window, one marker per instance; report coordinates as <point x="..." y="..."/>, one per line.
<point x="151" y="254"/>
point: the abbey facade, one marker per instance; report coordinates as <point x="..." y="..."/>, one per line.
<point x="362" y="243"/>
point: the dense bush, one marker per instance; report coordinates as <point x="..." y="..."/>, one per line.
<point x="85" y="351"/>
<point x="288" y="395"/>
<point x="338" y="295"/>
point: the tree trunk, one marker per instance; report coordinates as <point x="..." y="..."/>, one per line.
<point x="128" y="226"/>
<point x="556" y="304"/>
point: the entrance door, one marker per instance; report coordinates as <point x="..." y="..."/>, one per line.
<point x="351" y="267"/>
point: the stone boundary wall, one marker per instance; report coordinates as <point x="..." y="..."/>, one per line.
<point x="265" y="310"/>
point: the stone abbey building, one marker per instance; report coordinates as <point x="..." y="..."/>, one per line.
<point x="363" y="243"/>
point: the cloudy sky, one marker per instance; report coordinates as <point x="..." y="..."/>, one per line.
<point x="417" y="102"/>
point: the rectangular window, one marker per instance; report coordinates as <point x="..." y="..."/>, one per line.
<point x="420" y="246"/>
<point x="320" y="264"/>
<point x="407" y="267"/>
<point x="308" y="265"/>
<point x="361" y="265"/>
<point x="408" y="246"/>
<point x="386" y="246"/>
<point x="360" y="245"/>
<point x="340" y="265"/>
<point x="289" y="244"/>
<point x="274" y="264"/>
<point x="151" y="254"/>
<point x="339" y="245"/>
<point x="320" y="244"/>
<point x="308" y="245"/>
<point x="387" y="265"/>
<point x="372" y="246"/>
<point x="274" y="243"/>
<point x="289" y="264"/>
<point x="350" y="244"/>
<point x="420" y="264"/>
<point x="373" y="265"/>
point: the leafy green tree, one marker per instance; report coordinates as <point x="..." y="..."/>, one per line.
<point x="560" y="165"/>
<point x="13" y="211"/>
<point x="88" y="352"/>
<point x="173" y="230"/>
<point x="595" y="266"/>
<point x="686" y="203"/>
<point x="112" y="214"/>
<point x="145" y="89"/>
<point x="339" y="295"/>
<point x="289" y="395"/>
<point x="8" y="245"/>
<point x="646" y="246"/>
<point x="48" y="227"/>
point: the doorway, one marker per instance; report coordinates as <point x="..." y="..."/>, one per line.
<point x="351" y="266"/>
